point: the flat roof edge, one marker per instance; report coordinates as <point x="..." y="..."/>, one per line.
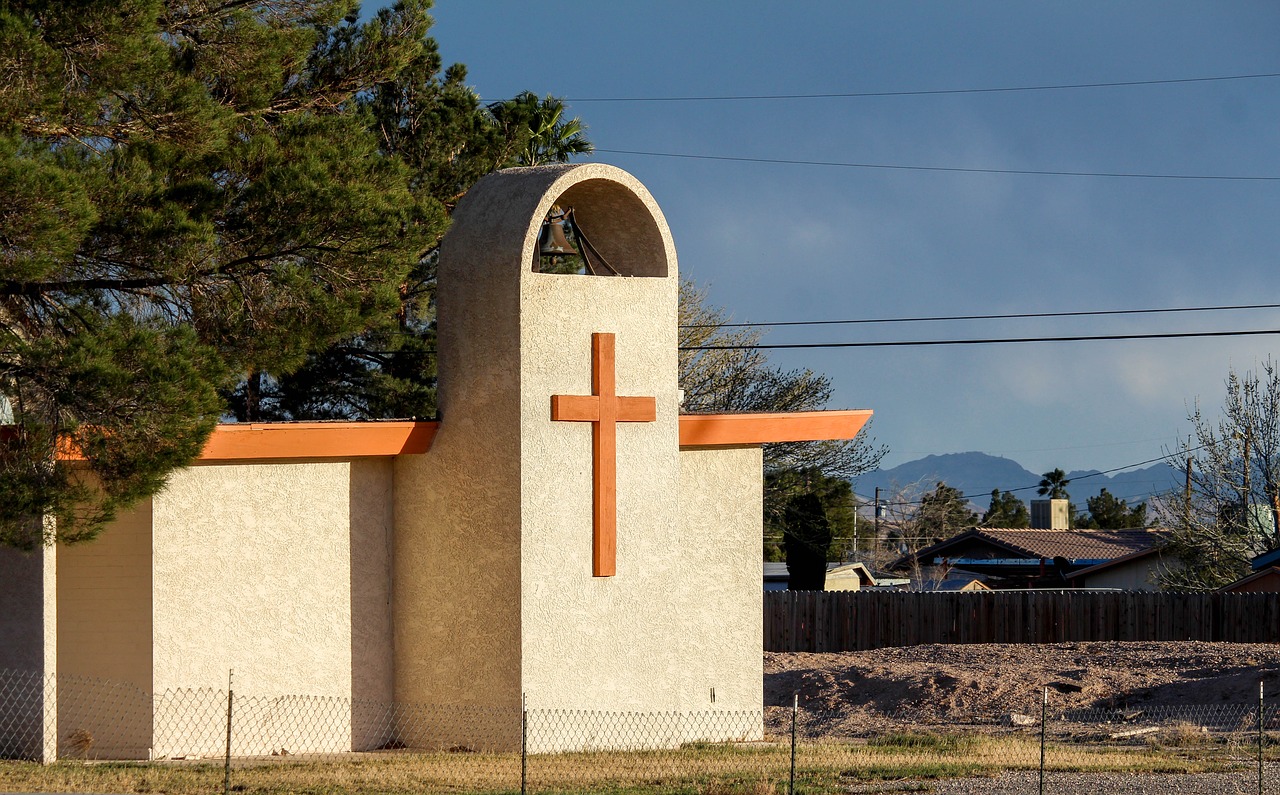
<point x="294" y="440"/>
<point x="730" y="430"/>
<point x="289" y="440"/>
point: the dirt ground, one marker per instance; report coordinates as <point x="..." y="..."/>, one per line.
<point x="950" y="682"/>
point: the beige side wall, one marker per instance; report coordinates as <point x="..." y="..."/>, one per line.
<point x="104" y="627"/>
<point x="371" y="540"/>
<point x="253" y="571"/>
<point x="1139" y="576"/>
<point x="104" y="638"/>
<point x="721" y="524"/>
<point x="29" y="651"/>
<point x="457" y="508"/>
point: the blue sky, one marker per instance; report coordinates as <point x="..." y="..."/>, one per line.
<point x="788" y="242"/>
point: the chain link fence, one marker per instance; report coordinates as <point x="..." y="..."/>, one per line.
<point x="209" y="740"/>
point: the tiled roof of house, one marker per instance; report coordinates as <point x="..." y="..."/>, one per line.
<point x="1074" y="545"/>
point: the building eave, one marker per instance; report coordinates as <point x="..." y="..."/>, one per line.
<point x="312" y="440"/>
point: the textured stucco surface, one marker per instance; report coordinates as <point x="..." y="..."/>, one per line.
<point x="494" y="593"/>
<point x="721" y="522"/>
<point x="371" y="539"/>
<point x="253" y="571"/>
<point x="457" y="551"/>
<point x="28" y="610"/>
<point x="600" y="642"/>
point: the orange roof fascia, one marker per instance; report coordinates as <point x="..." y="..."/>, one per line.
<point x="318" y="440"/>
<point x="724" y="430"/>
<point x="286" y="440"/>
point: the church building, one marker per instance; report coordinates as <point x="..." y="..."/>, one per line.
<point x="561" y="536"/>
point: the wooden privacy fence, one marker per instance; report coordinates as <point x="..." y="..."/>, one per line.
<point x="818" y="621"/>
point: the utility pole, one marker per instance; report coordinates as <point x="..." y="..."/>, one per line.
<point x="876" y="514"/>
<point x="855" y="528"/>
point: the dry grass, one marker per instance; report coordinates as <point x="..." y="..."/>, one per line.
<point x="699" y="769"/>
<point x="1181" y="734"/>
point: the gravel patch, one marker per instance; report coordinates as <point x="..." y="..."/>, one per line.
<point x="1028" y="783"/>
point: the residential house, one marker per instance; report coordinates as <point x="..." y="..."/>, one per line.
<point x="1022" y="558"/>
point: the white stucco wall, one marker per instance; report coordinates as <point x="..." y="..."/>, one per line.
<point x="495" y="594"/>
<point x="457" y="509"/>
<point x="611" y="637"/>
<point x="253" y="570"/>
<point x="507" y="495"/>
<point x="721" y="524"/>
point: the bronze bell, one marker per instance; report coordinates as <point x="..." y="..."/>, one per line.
<point x="554" y="243"/>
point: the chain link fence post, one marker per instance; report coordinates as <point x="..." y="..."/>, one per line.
<point x="1262" y="735"/>
<point x="1044" y="723"/>
<point x="226" y="773"/>
<point x="524" y="743"/>
<point x="795" y="710"/>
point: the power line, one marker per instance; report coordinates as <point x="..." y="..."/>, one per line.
<point x="950" y="169"/>
<point x="999" y="341"/>
<point x="1018" y="315"/>
<point x="928" y="92"/>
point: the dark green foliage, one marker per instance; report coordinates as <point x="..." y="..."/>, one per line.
<point x="1106" y="512"/>
<point x="433" y="123"/>
<point x="1006" y="510"/>
<point x="192" y="191"/>
<point x="538" y="130"/>
<point x="134" y="399"/>
<point x="838" y="503"/>
<point x="806" y="538"/>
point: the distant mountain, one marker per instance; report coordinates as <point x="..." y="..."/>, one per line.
<point x="976" y="474"/>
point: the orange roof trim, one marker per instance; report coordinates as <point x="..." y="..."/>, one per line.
<point x="318" y="440"/>
<point x="286" y="440"/>
<point x="721" y="430"/>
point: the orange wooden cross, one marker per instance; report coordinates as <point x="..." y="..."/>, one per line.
<point x="604" y="409"/>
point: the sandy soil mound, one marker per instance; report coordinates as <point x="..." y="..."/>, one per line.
<point x="946" y="683"/>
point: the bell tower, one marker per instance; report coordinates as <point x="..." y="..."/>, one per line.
<point x="551" y="492"/>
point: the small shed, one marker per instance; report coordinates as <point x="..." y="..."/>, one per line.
<point x="849" y="577"/>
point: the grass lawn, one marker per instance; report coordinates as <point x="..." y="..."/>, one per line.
<point x="695" y="769"/>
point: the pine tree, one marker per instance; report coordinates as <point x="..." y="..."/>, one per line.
<point x="433" y="122"/>
<point x="806" y="538"/>
<point x="192" y="191"/>
<point x="1107" y="512"/>
<point x="1006" y="510"/>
